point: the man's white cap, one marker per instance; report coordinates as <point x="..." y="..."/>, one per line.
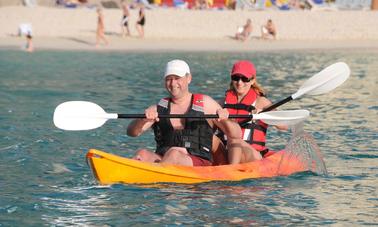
<point x="177" y="67"/>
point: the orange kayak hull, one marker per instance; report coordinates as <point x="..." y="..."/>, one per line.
<point x="112" y="169"/>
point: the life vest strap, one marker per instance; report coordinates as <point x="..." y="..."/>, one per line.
<point x="239" y="106"/>
<point x="250" y="125"/>
<point x="264" y="152"/>
<point x="258" y="143"/>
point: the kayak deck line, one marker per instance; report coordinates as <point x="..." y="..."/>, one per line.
<point x="112" y="169"/>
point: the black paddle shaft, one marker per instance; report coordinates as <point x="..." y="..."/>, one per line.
<point x="272" y="107"/>
<point x="206" y="116"/>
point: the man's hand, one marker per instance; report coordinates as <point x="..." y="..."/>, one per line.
<point x="222" y="114"/>
<point x="151" y="114"/>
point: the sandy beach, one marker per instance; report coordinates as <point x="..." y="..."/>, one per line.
<point x="187" y="30"/>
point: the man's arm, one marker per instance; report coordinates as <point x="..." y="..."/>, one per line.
<point x="228" y="126"/>
<point x="139" y="126"/>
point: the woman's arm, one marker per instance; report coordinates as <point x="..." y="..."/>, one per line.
<point x="262" y="103"/>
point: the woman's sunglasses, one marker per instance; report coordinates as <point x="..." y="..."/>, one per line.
<point x="243" y="78"/>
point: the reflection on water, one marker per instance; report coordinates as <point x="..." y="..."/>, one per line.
<point x="76" y="211"/>
<point x="45" y="180"/>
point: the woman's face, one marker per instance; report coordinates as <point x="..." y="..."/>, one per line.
<point x="242" y="84"/>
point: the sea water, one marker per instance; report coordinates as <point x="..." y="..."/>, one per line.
<point x="44" y="178"/>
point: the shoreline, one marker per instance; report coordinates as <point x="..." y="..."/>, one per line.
<point x="190" y="30"/>
<point x="118" y="44"/>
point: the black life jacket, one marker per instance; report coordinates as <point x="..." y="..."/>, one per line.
<point x="196" y="137"/>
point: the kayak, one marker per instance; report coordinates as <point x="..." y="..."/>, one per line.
<point x="112" y="169"/>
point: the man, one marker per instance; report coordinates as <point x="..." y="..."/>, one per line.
<point x="187" y="142"/>
<point x="268" y="30"/>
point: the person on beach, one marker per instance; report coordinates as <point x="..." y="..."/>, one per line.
<point x="189" y="142"/>
<point x="141" y="21"/>
<point x="29" y="43"/>
<point x="268" y="30"/>
<point x="125" y="19"/>
<point x="246" y="96"/>
<point x="201" y="4"/>
<point x="244" y="32"/>
<point x="100" y="33"/>
<point x="232" y="4"/>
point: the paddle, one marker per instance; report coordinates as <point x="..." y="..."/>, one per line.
<point x="82" y="115"/>
<point x="322" y="82"/>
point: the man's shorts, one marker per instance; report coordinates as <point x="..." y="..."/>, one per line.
<point x="197" y="161"/>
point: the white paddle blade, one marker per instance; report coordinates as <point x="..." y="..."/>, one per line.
<point x="325" y="81"/>
<point x="288" y="117"/>
<point x="80" y="115"/>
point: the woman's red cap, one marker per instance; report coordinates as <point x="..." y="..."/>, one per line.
<point x="245" y="68"/>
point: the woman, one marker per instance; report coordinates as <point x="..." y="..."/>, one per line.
<point x="246" y="96"/>
<point x="100" y="33"/>
<point x="125" y="19"/>
<point x="141" y="21"/>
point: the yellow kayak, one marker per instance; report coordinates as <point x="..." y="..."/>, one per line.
<point x="111" y="169"/>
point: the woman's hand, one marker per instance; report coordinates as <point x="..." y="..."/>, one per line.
<point x="256" y="110"/>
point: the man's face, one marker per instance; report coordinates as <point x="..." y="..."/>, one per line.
<point x="177" y="86"/>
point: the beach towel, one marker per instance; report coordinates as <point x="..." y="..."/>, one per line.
<point x="25" y="29"/>
<point x="30" y="3"/>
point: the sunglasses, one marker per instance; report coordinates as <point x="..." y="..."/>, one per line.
<point x="243" y="78"/>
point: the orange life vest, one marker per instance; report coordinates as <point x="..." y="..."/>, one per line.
<point x="254" y="132"/>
